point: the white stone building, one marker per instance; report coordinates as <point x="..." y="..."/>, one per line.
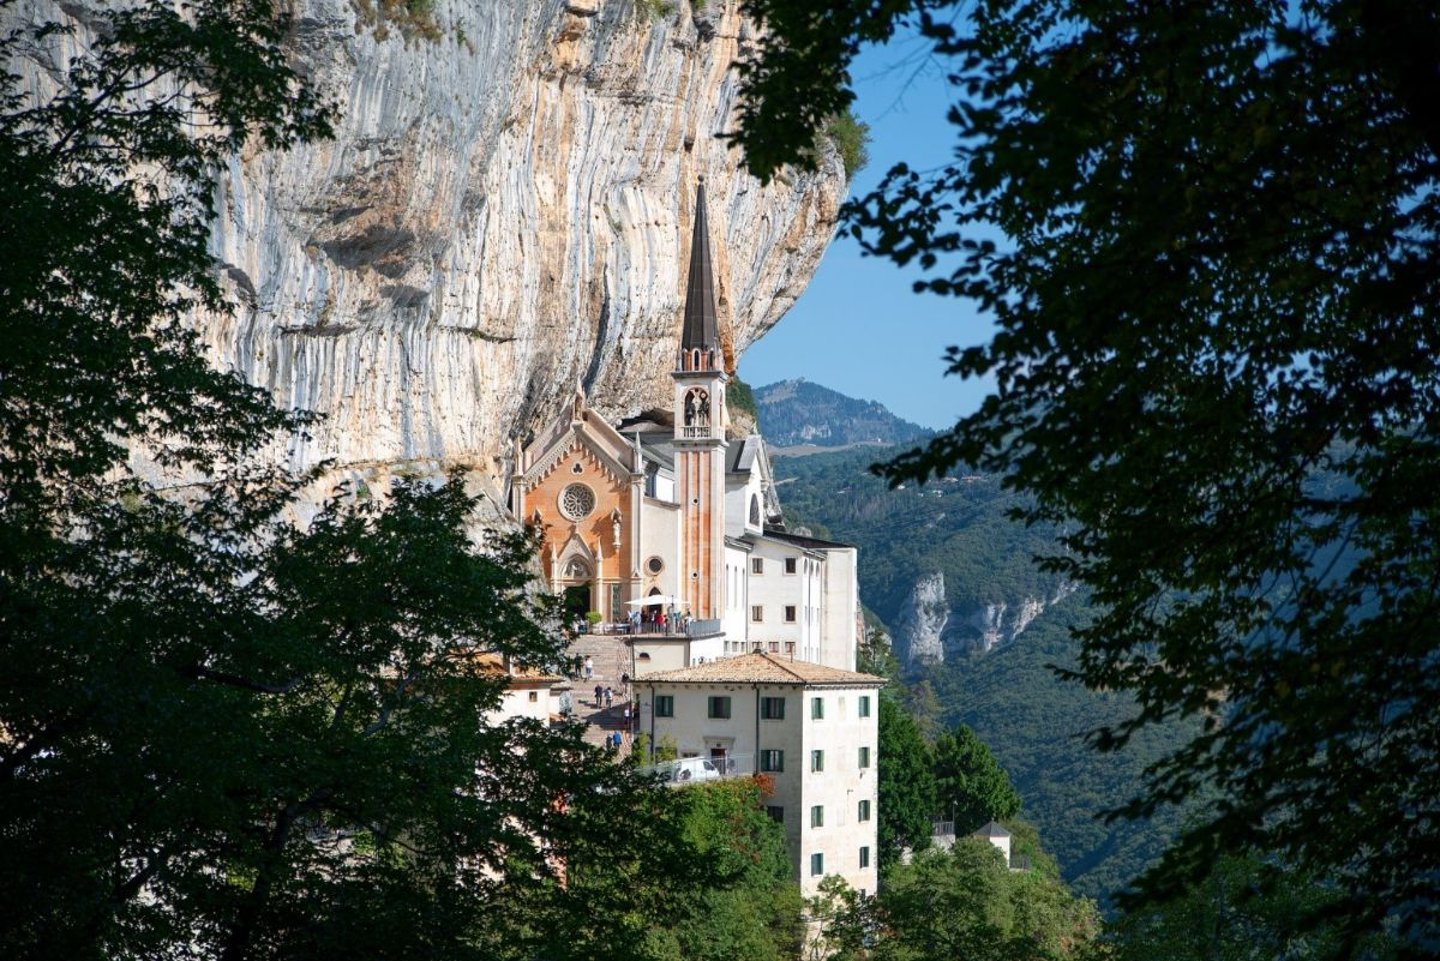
<point x="810" y="728"/>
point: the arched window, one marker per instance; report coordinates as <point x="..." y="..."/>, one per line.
<point x="697" y="408"/>
<point x="754" y="510"/>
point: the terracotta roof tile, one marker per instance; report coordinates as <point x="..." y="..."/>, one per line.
<point x="762" y="668"/>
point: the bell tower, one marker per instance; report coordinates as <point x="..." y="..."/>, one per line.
<point x="700" y="421"/>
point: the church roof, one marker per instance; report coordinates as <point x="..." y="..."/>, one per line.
<point x="801" y="540"/>
<point x="746" y="453"/>
<point x="701" y="329"/>
<point x="761" y="668"/>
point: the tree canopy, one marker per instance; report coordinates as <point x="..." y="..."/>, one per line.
<point x="1206" y="234"/>
<point x="970" y="785"/>
<point x="905" y="785"/>
<point x="958" y="903"/>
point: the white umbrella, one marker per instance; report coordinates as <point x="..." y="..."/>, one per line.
<point x="663" y="599"/>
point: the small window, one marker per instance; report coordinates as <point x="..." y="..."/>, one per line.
<point x="776" y="812"/>
<point x="864" y="706"/>
<point x="655" y="565"/>
<point x="757" y="565"/>
<point x="864" y="813"/>
<point x="774" y="647"/>
<point x="720" y="707"/>
<point x="865" y="857"/>
<point x="817" y="709"/>
<point x="817" y="816"/>
<point x="534" y="696"/>
<point x="790" y="647"/>
<point x="789" y="565"/>
<point x="817" y="760"/>
<point x="772" y="761"/>
<point x="772" y="708"/>
<point x="757" y="612"/>
<point x="864" y="757"/>
<point x="664" y="705"/>
<point x="817" y="864"/>
<point x="789" y="613"/>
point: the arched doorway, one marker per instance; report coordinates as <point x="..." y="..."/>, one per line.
<point x="577" y="589"/>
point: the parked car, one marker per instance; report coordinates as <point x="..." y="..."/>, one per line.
<point x="695" y="769"/>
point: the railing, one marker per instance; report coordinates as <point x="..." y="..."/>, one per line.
<point x="706" y="628"/>
<point x="697" y="770"/>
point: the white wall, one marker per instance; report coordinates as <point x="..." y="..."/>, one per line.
<point x="839" y="788"/>
<point x="773" y="591"/>
<point x="735" y="614"/>
<point x="840" y="608"/>
<point x="659" y="537"/>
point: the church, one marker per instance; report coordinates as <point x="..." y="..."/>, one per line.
<point x="671" y="518"/>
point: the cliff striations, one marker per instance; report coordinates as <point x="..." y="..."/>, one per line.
<point x="504" y="213"/>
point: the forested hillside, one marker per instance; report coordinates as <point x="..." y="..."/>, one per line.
<point x="1009" y="695"/>
<point x="955" y="526"/>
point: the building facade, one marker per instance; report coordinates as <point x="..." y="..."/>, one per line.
<point x="810" y="729"/>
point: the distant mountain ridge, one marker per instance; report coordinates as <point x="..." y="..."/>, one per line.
<point x="797" y="412"/>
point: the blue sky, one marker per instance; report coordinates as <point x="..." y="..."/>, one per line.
<point x="859" y="328"/>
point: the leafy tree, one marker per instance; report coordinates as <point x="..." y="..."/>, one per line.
<point x="1206" y="234"/>
<point x="906" y="786"/>
<point x="875" y="656"/>
<point x="221" y="734"/>
<point x="959" y="903"/>
<point x="971" y="786"/>
<point x="731" y="891"/>
<point x="1241" y="909"/>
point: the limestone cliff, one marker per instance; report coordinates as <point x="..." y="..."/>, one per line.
<point x="504" y="213"/>
<point x="929" y="628"/>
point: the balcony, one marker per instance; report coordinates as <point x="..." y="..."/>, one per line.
<point x="697" y="770"/>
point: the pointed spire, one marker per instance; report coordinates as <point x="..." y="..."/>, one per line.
<point x="701" y="330"/>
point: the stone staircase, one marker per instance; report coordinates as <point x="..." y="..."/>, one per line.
<point x="610" y="658"/>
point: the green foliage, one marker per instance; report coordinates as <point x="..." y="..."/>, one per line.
<point x="875" y="656"/>
<point x="1242" y="909"/>
<point x="413" y="17"/>
<point x="961" y="903"/>
<point x="1034" y="722"/>
<point x="653" y="9"/>
<point x="971" y="786"/>
<point x="1206" y="236"/>
<point x="906" y="784"/>
<point x="740" y="397"/>
<point x="851" y="138"/>
<point x="727" y="892"/>
<point x="801" y="79"/>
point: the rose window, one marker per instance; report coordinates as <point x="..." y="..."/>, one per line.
<point x="577" y="501"/>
